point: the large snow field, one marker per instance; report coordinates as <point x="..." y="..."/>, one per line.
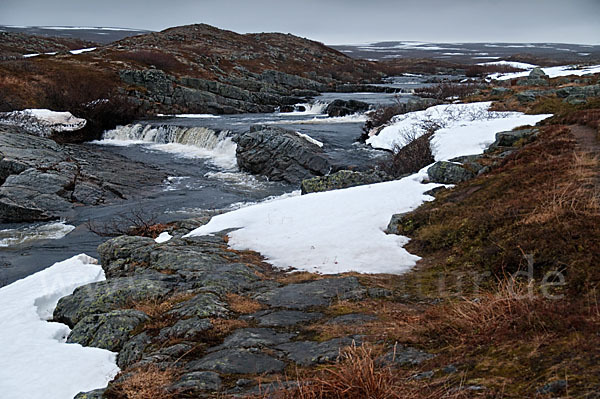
<point x="35" y="361"/>
<point x="552" y="72"/>
<point x="343" y="230"/>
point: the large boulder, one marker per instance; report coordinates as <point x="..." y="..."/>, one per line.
<point x="280" y="154"/>
<point x="537" y="77"/>
<point x="343" y="107"/>
<point x="445" y="172"/>
<point x="342" y="179"/>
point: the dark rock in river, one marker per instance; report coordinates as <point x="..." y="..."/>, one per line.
<point x="280" y="154"/>
<point x="343" y="107"/>
<point x="342" y="179"/>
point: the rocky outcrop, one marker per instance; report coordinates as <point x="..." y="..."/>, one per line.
<point x="188" y="282"/>
<point x="342" y="179"/>
<point x="42" y="180"/>
<point x="280" y="154"/>
<point x="343" y="107"/>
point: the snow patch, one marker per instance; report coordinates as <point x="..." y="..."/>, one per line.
<point x="42" y="122"/>
<point x="35" y="361"/>
<point x="343" y="230"/>
<point x="163" y="237"/>
<point x="310" y="139"/>
<point x="552" y="72"/>
<point x="82" y="50"/>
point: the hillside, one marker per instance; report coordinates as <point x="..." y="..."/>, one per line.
<point x="188" y="69"/>
<point x="14" y="45"/>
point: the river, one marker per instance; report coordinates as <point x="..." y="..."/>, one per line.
<point x="198" y="156"/>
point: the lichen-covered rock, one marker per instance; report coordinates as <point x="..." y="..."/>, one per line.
<point x="280" y="154"/>
<point x="186" y="329"/>
<point x="133" y="350"/>
<point x="202" y="305"/>
<point x="105" y="296"/>
<point x="510" y="138"/>
<point x="445" y="172"/>
<point x="404" y="356"/>
<point x="342" y="179"/>
<point x="95" y="394"/>
<point x="108" y="330"/>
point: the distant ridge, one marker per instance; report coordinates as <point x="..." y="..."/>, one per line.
<point x="102" y="35"/>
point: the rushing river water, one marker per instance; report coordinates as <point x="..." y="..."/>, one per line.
<point x="198" y="156"/>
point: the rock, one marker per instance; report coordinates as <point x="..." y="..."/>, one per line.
<point x="537" y="77"/>
<point x="285" y="318"/>
<point x="255" y="337"/>
<point x="280" y="154"/>
<point x="450" y="369"/>
<point x="426" y="375"/>
<point x="42" y="122"/>
<point x="202" y="305"/>
<point x="445" y="172"/>
<point x="342" y="179"/>
<point x="186" y="329"/>
<point x="197" y="382"/>
<point x="377" y="292"/>
<point x="404" y="356"/>
<point x="313" y="294"/>
<point x="528" y="96"/>
<point x="237" y="361"/>
<point x="133" y="350"/>
<point x="95" y="394"/>
<point x="510" y="138"/>
<point x="306" y="353"/>
<point x="352" y="318"/>
<point x="395" y="224"/>
<point x="106" y="331"/>
<point x="578" y="94"/>
<point x="500" y="91"/>
<point x="553" y="387"/>
<point x="105" y="296"/>
<point x="343" y="107"/>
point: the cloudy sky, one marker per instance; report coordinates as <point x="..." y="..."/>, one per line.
<point x="334" y="21"/>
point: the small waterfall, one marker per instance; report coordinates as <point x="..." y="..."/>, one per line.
<point x="200" y="137"/>
<point x="189" y="142"/>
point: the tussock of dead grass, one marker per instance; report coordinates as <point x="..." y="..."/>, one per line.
<point x="358" y="374"/>
<point x="145" y="383"/>
<point x="243" y="305"/>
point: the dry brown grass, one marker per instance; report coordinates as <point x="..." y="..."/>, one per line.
<point x="223" y="327"/>
<point x="243" y="305"/>
<point x="148" y="382"/>
<point x="358" y="374"/>
<point x="575" y="196"/>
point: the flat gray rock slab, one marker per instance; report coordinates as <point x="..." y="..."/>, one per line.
<point x="255" y="337"/>
<point x="306" y="353"/>
<point x="237" y="361"/>
<point x="313" y="294"/>
<point x="405" y="356"/>
<point x="284" y="318"/>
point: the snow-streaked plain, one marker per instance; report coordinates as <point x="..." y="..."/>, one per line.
<point x="343" y="230"/>
<point x="552" y="72"/>
<point x="35" y="361"/>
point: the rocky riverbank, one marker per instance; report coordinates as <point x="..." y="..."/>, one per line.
<point x="43" y="180"/>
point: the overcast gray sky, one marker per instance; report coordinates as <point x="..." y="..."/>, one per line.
<point x="334" y="21"/>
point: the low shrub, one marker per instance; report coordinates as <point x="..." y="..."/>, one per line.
<point x="444" y="91"/>
<point x="410" y="158"/>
